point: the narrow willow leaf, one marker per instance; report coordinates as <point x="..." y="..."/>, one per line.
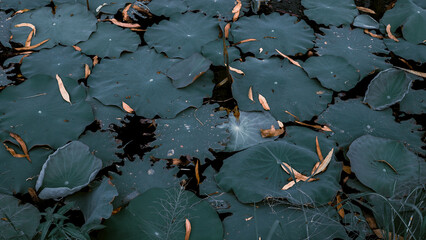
<point x="325" y="163"/>
<point x="236" y="70"/>
<point x="291" y="171"/>
<point x="127" y="108"/>
<point x="27" y="25"/>
<point x="390" y="35"/>
<point x="187" y="229"/>
<point x="366" y="10"/>
<point x="62" y="89"/>
<point x="86" y="71"/>
<point x="264" y="103"/>
<point x="125" y="25"/>
<point x="250" y="94"/>
<point x="288" y="58"/>
<point x="32" y="47"/>
<point x="321" y="158"/>
<point x="236" y="10"/>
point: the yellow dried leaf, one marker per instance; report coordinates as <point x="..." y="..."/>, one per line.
<point x="62" y="89"/>
<point x="250" y="94"/>
<point x="127" y="108"/>
<point x="390" y="35"/>
<point x="86" y="71"/>
<point x="31" y="47"/>
<point x="264" y="103"/>
<point x="324" y="164"/>
<point x="288" y="58"/>
<point x="187" y="229"/>
<point x="366" y="10"/>
<point x="125" y="25"/>
<point x="272" y="132"/>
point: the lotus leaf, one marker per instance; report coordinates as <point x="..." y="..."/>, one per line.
<point x="167" y="8"/>
<point x="215" y="8"/>
<point x="5" y="25"/>
<point x="95" y="205"/>
<point x="330" y="12"/>
<point x="245" y="131"/>
<point x="22" y="4"/>
<point x="185" y="72"/>
<point x="140" y="175"/>
<point x="161" y="213"/>
<point x="110" y="41"/>
<point x="65" y="61"/>
<point x="103" y="145"/>
<point x="70" y="24"/>
<point x="407" y="50"/>
<point x="106" y="115"/>
<point x="351" y="119"/>
<point x="141" y="84"/>
<point x="285" y="33"/>
<point x="377" y="163"/>
<point x="356" y="47"/>
<point x="208" y="186"/>
<point x="285" y="87"/>
<point x="387" y="88"/>
<point x="255" y="174"/>
<point x="333" y="72"/>
<point x="17" y="221"/>
<point x="193" y="132"/>
<point x="214" y="52"/>
<point x="182" y="35"/>
<point x="305" y="137"/>
<point x="4" y="81"/>
<point x="67" y="170"/>
<point x="365" y="21"/>
<point x="96" y="6"/>
<point x="48" y="119"/>
<point x="18" y="174"/>
<point x="414" y="102"/>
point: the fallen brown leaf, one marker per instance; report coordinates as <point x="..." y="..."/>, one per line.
<point x="340" y="206"/>
<point x="264" y="103"/>
<point x="95" y="60"/>
<point x="86" y="71"/>
<point x="236" y="10"/>
<point x="288" y="58"/>
<point x="22" y="144"/>
<point x="187" y="229"/>
<point x="127" y="108"/>
<point x="28" y="41"/>
<point x="77" y="48"/>
<point x="366" y="10"/>
<point x="62" y="89"/>
<point x="320" y="157"/>
<point x="324" y="164"/>
<point x="289" y="185"/>
<point x="227" y="27"/>
<point x="32" y="47"/>
<point x="372" y="34"/>
<point x="236" y="70"/>
<point x="33" y="195"/>
<point x="197" y="171"/>
<point x="250" y="93"/>
<point x="390" y="35"/>
<point x="126" y="17"/>
<point x="244" y="41"/>
<point x="125" y="25"/>
<point x="272" y="132"/>
<point x="27" y="25"/>
<point x="347" y="169"/>
<point x="13" y="153"/>
<point x="291" y="171"/>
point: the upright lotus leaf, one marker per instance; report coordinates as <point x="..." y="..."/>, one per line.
<point x="70" y="24"/>
<point x="214" y="52"/>
<point x="274" y="31"/>
<point x="48" y="119"/>
<point x="182" y="35"/>
<point x="18" y="174"/>
<point x="141" y="84"/>
<point x="22" y="4"/>
<point x="17" y="221"/>
<point x="185" y="72"/>
<point x="67" y="170"/>
<point x="167" y="8"/>
<point x="385" y="165"/>
<point x="256" y="173"/>
<point x="245" y="131"/>
<point x="161" y="214"/>
<point x="330" y="12"/>
<point x="140" y="175"/>
<point x="110" y="40"/>
<point x="215" y="8"/>
<point x="6" y="24"/>
<point x="65" y="61"/>
<point x="103" y="145"/>
<point x="407" y="50"/>
<point x="387" y="88"/>
<point x="356" y="47"/>
<point x="414" y="102"/>
<point x="193" y="132"/>
<point x="333" y="72"/>
<point x="96" y="204"/>
<point x="305" y="137"/>
<point x="351" y="119"/>
<point x="96" y="6"/>
<point x="365" y="21"/>
<point x="285" y="87"/>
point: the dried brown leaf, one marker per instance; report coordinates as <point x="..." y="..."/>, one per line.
<point x="187" y="229"/>
<point x="272" y="132"/>
<point x="347" y="169"/>
<point x="366" y="10"/>
<point x="324" y="164"/>
<point x="236" y="10"/>
<point x="288" y="58"/>
<point x="390" y="35"/>
<point x="340" y="207"/>
<point x="244" y="41"/>
<point x="288" y="169"/>
<point x="32" y="47"/>
<point x="250" y="93"/>
<point x="86" y="71"/>
<point x="33" y="195"/>
<point x="320" y="157"/>
<point x="264" y="103"/>
<point x="197" y="171"/>
<point x="281" y="124"/>
<point x="77" y="48"/>
<point x="28" y="41"/>
<point x="95" y="60"/>
<point x="22" y="144"/>
<point x="127" y="108"/>
<point x="227" y="27"/>
<point x="125" y="25"/>
<point x="126" y="17"/>
<point x="27" y="25"/>
<point x="236" y="70"/>
<point x="62" y="89"/>
<point x="372" y="34"/>
<point x="13" y="153"/>
<point x="289" y="185"/>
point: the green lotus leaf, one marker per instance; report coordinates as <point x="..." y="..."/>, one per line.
<point x="103" y="145"/>
<point x="182" y="35"/>
<point x="333" y="72"/>
<point x="387" y="88"/>
<point x="305" y="137"/>
<point x="365" y="21"/>
<point x="6" y="24"/>
<point x="96" y="6"/>
<point x="22" y="4"/>
<point x="110" y="41"/>
<point x="17" y="221"/>
<point x="167" y="8"/>
<point x="274" y="31"/>
<point x="255" y="174"/>
<point x="245" y="131"/>
<point x="330" y="12"/>
<point x="161" y="214"/>
<point x="285" y="87"/>
<point x="96" y="204"/>
<point x="106" y="115"/>
<point x="214" y="52"/>
<point x="193" y="132"/>
<point x="215" y="8"/>
<point x="185" y="72"/>
<point x="208" y="185"/>
<point x="65" y="61"/>
<point x="70" y="24"/>
<point x="356" y="47"/>
<point x="140" y="175"/>
<point x="351" y="119"/>
<point x="407" y="50"/>
<point x="4" y="74"/>
<point x="67" y="170"/>
<point x="18" y="174"/>
<point x="48" y="119"/>
<point x="414" y="102"/>
<point x="141" y="84"/>
<point x="385" y="165"/>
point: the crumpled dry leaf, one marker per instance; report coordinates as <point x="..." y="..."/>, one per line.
<point x="27" y="25"/>
<point x="324" y="128"/>
<point x="291" y="171"/>
<point x="390" y="35"/>
<point x="288" y="58"/>
<point x="272" y="132"/>
<point x="21" y="144"/>
<point x="127" y="108"/>
<point x="264" y="103"/>
<point x="187" y="229"/>
<point x="62" y="89"/>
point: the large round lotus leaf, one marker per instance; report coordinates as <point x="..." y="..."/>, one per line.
<point x="70" y="24"/>
<point x="182" y="35"/>
<point x="18" y="174"/>
<point x="110" y="41"/>
<point x="356" y="47"/>
<point x="106" y="115"/>
<point x="385" y="165"/>
<point x="193" y="132"/>
<point x="330" y="12"/>
<point x="140" y="175"/>
<point x="407" y="50"/>
<point x="414" y="102"/>
<point x="185" y="72"/>
<point x="352" y="119"/>
<point x="103" y="145"/>
<point x="305" y="137"/>
<point x="365" y="21"/>
<point x="141" y="84"/>
<point x="220" y="8"/>
<point x="6" y="24"/>
<point x="96" y="6"/>
<point x="285" y="87"/>
<point x="17" y="221"/>
<point x="65" y="61"/>
<point x="67" y="170"/>
<point x="409" y="15"/>
<point x="274" y="31"/>
<point x="333" y="72"/>
<point x="22" y="4"/>
<point x="36" y="111"/>
<point x="161" y="214"/>
<point x="245" y="131"/>
<point x="387" y="88"/>
<point x="214" y="51"/>
<point x="255" y="174"/>
<point x="167" y="8"/>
